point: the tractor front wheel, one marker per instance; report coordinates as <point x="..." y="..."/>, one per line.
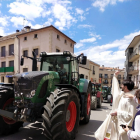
<point x="8" y="126"/>
<point x="61" y="115"/>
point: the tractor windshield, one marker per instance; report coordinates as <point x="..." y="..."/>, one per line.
<point x="55" y="63"/>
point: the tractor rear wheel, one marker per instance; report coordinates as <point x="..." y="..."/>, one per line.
<point x="61" y="115"/>
<point x="87" y="106"/>
<point x="8" y="126"/>
<point x="94" y="102"/>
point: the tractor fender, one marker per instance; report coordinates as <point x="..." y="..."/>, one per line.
<point x="6" y="89"/>
<point x="98" y="94"/>
<point x="83" y="85"/>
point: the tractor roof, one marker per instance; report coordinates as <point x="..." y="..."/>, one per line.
<point x="60" y="53"/>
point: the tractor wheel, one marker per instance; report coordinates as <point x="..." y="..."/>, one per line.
<point x="8" y="126"/>
<point x="87" y="106"/>
<point x="99" y="102"/>
<point x="94" y="102"/>
<point x="61" y="115"/>
<point x="109" y="98"/>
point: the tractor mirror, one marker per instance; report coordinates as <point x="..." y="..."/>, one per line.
<point x="22" y="61"/>
<point x="84" y="60"/>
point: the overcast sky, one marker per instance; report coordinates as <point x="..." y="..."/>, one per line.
<point x="102" y="29"/>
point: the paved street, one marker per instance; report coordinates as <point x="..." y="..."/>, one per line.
<point x="85" y="132"/>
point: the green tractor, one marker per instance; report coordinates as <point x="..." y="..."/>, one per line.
<point x="56" y="93"/>
<point x="107" y="93"/>
<point x="96" y="99"/>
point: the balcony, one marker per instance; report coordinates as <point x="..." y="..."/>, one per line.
<point x="133" y="69"/>
<point x="133" y="56"/>
<point x="2" y="69"/>
<point x="105" y="82"/>
<point x="6" y="69"/>
<point x="119" y="77"/>
<point x="105" y="77"/>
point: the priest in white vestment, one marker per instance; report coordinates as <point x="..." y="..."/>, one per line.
<point x="123" y="111"/>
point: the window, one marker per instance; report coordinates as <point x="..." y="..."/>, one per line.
<point x="36" y="51"/>
<point x="119" y="76"/>
<point x="70" y="44"/>
<point x="106" y="81"/>
<point x="57" y="50"/>
<point x="93" y="70"/>
<point x="86" y="77"/>
<point x="11" y="63"/>
<point x="35" y="35"/>
<point x="2" y="79"/>
<point x="106" y="76"/>
<point x="10" y="79"/>
<point x="25" y="38"/>
<point x="3" y="54"/>
<point x="58" y="37"/>
<point x="11" y="49"/>
<point x="3" y="64"/>
<point x="25" y="69"/>
<point x="65" y="41"/>
<point x="100" y="75"/>
<point x="25" y="53"/>
<point x="111" y="75"/>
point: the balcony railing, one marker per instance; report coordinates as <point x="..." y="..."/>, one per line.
<point x="105" y="82"/>
<point x="133" y="56"/>
<point x="2" y="69"/>
<point x="133" y="69"/>
<point x="106" y="77"/>
<point x="6" y="69"/>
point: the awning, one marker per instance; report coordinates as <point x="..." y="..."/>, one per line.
<point x="9" y="76"/>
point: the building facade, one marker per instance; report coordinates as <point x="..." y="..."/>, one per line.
<point x="90" y="71"/>
<point x="48" y="39"/>
<point x="132" y="62"/>
<point x="9" y="63"/>
<point x="106" y="75"/>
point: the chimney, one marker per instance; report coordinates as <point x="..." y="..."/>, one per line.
<point x="27" y="28"/>
<point x="118" y="67"/>
<point x="17" y="30"/>
<point x="103" y="66"/>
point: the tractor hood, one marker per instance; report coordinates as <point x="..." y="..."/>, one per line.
<point x="28" y="81"/>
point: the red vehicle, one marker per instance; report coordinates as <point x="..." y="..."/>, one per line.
<point x="96" y="96"/>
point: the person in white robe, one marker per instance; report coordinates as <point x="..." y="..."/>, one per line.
<point x="123" y="111"/>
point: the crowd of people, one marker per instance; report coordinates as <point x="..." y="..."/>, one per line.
<point x="124" y="119"/>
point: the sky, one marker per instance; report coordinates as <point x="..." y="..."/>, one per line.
<point x="102" y="29"/>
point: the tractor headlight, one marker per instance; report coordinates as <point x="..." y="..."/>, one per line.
<point x="43" y="54"/>
<point x="28" y="95"/>
<point x="66" y="53"/>
<point x="33" y="93"/>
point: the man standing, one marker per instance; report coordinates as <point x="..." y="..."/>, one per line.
<point x="123" y="112"/>
<point x="126" y="109"/>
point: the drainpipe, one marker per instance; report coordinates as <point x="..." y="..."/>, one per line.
<point x="18" y="54"/>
